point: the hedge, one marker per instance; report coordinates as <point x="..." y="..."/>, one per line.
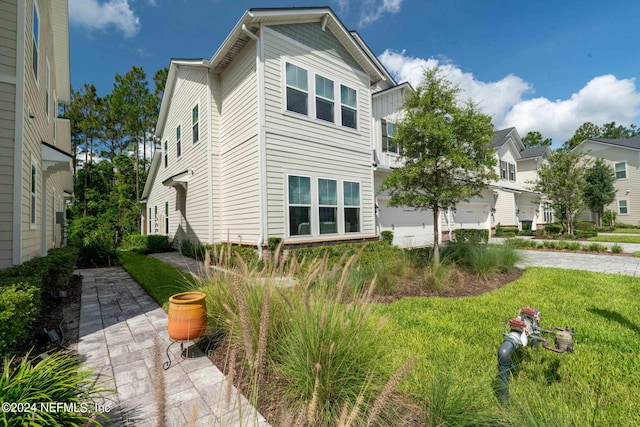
<point x="147" y="243"/>
<point x="471" y="235"/>
<point x="19" y="307"/>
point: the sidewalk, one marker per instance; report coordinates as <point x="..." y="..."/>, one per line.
<point x="123" y="336"/>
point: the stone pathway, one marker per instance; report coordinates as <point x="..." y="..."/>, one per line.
<point x="123" y="336"/>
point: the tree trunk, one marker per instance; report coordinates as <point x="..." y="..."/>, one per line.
<point x="436" y="237"/>
<point x="86" y="183"/>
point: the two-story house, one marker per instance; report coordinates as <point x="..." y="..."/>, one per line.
<point x="271" y="137"/>
<point x="623" y="155"/>
<point x="35" y="144"/>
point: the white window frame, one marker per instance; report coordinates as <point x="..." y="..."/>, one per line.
<point x="512" y="169"/>
<point x="349" y="107"/>
<point x="336" y="206"/>
<point x="195" y="126"/>
<point x="325" y="99"/>
<point x="547" y="212"/>
<point x="35" y="34"/>
<point x="345" y="207"/>
<point x="155" y="219"/>
<point x="289" y="205"/>
<point x="626" y="201"/>
<point x="55" y="117"/>
<point x="166" y="218"/>
<point x="286" y="86"/>
<point x="624" y="170"/>
<point x="33" y="192"/>
<point x="166" y="153"/>
<point x="179" y="140"/>
<point x="388" y="139"/>
<point x="150" y="221"/>
<point x="504" y="170"/>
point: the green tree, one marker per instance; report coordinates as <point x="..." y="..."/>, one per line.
<point x="599" y="190"/>
<point x="585" y="131"/>
<point x="535" y="139"/>
<point x="615" y="131"/>
<point x="562" y="179"/>
<point x="446" y="151"/>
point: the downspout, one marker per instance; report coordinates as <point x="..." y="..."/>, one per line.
<point x="261" y="137"/>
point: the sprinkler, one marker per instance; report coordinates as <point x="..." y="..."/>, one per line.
<point x="524" y="330"/>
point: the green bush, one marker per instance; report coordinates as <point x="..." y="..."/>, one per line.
<point x="609" y="218"/>
<point x="505" y="231"/>
<point x="97" y="251"/>
<point x="604" y="229"/>
<point x="553" y="228"/>
<point x="274" y="242"/>
<point x="471" y="235"/>
<point x="146" y="244"/>
<point x="55" y="379"/>
<point x="584" y="225"/>
<point x="584" y="234"/>
<point x="19" y="308"/>
<point x="524" y="232"/>
<point x="193" y="250"/>
<point x="616" y="249"/>
<point x="595" y="247"/>
<point x="387" y="236"/>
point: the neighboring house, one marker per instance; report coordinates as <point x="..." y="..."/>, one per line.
<point x="509" y="201"/>
<point x="624" y="157"/>
<point x="271" y="137"/>
<point x="35" y="145"/>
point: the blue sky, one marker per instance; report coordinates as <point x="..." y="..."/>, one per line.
<point x="536" y="65"/>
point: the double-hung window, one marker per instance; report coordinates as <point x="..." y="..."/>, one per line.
<point x="621" y="170"/>
<point x="503" y="169"/>
<point x="195" y="130"/>
<point x="349" y="107"/>
<point x="351" y="192"/>
<point x="166" y="154"/>
<point x="178" y="141"/>
<point x="512" y="172"/>
<point x="166" y="218"/>
<point x="36" y="39"/>
<point x="324" y="99"/>
<point x="389" y="144"/>
<point x="623" y="207"/>
<point x="328" y="205"/>
<point x="297" y="89"/>
<point x="34" y="186"/>
<point x="47" y="91"/>
<point x="299" y="205"/>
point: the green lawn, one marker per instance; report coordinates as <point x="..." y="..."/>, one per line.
<point x="616" y="239"/>
<point x="627" y="230"/>
<point x="458" y="338"/>
<point x="159" y="279"/>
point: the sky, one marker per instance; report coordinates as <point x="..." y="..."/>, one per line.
<point x="541" y="65"/>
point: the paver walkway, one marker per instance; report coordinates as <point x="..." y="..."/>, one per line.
<point x="123" y="336"/>
<point x="601" y="263"/>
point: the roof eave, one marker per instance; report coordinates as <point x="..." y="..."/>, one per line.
<point x="60" y="29"/>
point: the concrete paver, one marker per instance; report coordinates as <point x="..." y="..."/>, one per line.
<point x="123" y="336"/>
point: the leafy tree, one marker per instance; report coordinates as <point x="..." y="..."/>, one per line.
<point x="562" y="179"/>
<point x="599" y="190"/>
<point x="535" y="139"/>
<point x="610" y="130"/>
<point x="585" y="131"/>
<point x="613" y="131"/>
<point x="446" y="151"/>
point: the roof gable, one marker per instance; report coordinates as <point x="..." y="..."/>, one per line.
<point x="632" y="143"/>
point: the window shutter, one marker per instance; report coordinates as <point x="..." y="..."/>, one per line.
<point x="385" y="140"/>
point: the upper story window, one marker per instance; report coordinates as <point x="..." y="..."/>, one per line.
<point x="389" y="144"/>
<point x="324" y="98"/>
<point x="166" y="154"/>
<point x="36" y="39"/>
<point x="178" y="141"/>
<point x="621" y="170"/>
<point x="299" y="205"/>
<point x="349" y="107"/>
<point x="297" y="89"/>
<point x="503" y="169"/>
<point x="47" y="91"/>
<point x="512" y="172"/>
<point x="195" y="130"/>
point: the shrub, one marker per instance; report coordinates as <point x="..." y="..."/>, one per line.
<point x="19" y="308"/>
<point x="609" y="218"/>
<point x="193" y="250"/>
<point x="387" y="236"/>
<point x="505" y="231"/>
<point x="580" y="234"/>
<point x="158" y="243"/>
<point x="471" y="235"/>
<point x="227" y="254"/>
<point x="584" y="225"/>
<point x="146" y="244"/>
<point x="616" y="249"/>
<point x="524" y="232"/>
<point x="595" y="247"/>
<point x="274" y="242"/>
<point x="97" y="251"/>
<point x="553" y="228"/>
<point x="57" y="378"/>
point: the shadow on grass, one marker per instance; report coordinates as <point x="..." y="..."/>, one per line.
<point x="616" y="317"/>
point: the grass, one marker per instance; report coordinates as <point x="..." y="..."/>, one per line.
<point x="627" y="230"/>
<point x="160" y="280"/>
<point x="616" y="239"/>
<point x="461" y="336"/>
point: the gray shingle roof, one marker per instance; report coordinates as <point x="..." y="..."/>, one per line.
<point x="628" y="143"/>
<point x="531" y="152"/>
<point x="500" y="136"/>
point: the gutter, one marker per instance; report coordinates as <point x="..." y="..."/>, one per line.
<point x="262" y="154"/>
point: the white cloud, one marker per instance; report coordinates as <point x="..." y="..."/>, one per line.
<point x="94" y="15"/>
<point x="369" y="10"/>
<point x="604" y="99"/>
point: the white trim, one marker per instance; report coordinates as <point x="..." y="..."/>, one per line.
<point x="47" y="89"/>
<point x="624" y="199"/>
<point x="175" y="134"/>
<point x="33" y="193"/>
<point x="193" y="107"/>
<point x="626" y="175"/>
<point x="345" y="206"/>
<point x="210" y="183"/>
<point x="36" y="9"/>
<point x="18" y="153"/>
<point x="287" y="205"/>
<point x="336" y="206"/>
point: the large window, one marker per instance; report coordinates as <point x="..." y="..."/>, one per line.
<point x="297" y="89"/>
<point x="389" y="144"/>
<point x="512" y="172"/>
<point x="349" y="107"/>
<point x="351" y="192"/>
<point x="623" y="207"/>
<point x="324" y="99"/>
<point x="299" y="205"/>
<point x="36" y="39"/>
<point x="178" y="141"/>
<point x="328" y="206"/>
<point x="503" y="169"/>
<point x="34" y="187"/>
<point x="621" y="170"/>
<point x="166" y="154"/>
<point x="166" y="218"/>
<point x="195" y="130"/>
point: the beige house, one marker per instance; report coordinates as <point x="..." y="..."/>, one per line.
<point x="624" y="157"/>
<point x="271" y="137"/>
<point x="35" y="144"/>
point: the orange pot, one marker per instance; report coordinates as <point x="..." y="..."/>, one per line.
<point x="187" y="316"/>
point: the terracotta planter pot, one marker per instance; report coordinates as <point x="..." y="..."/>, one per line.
<point x="187" y="316"/>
